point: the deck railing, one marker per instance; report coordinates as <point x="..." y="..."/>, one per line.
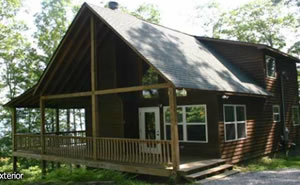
<point x="69" y="146"/>
<point x="28" y="142"/>
<point x="80" y="133"/>
<point x="107" y="149"/>
<point x="134" y="150"/>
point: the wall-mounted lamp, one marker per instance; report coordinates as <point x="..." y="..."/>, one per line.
<point x="225" y="97"/>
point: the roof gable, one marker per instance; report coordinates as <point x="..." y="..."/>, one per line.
<point x="181" y="58"/>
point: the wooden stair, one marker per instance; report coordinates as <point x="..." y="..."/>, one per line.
<point x="200" y="170"/>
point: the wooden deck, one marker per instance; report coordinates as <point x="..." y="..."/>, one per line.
<point x="151" y="157"/>
<point x="188" y="163"/>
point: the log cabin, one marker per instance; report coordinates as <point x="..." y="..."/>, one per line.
<point x="158" y="101"/>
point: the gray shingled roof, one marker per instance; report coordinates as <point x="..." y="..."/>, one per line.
<point x="180" y="57"/>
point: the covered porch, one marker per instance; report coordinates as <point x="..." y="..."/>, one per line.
<point x="146" y="155"/>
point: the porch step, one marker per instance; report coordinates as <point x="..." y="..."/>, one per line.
<point x="217" y="177"/>
<point x="189" y="168"/>
<point x="208" y="172"/>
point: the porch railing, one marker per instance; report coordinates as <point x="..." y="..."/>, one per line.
<point x="134" y="150"/>
<point x="107" y="149"/>
<point x="69" y="146"/>
<point x="28" y="142"/>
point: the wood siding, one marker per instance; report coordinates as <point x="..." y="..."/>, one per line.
<point x="263" y="135"/>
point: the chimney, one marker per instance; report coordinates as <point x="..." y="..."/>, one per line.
<point x="113" y="5"/>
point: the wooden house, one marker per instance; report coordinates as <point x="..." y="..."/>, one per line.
<point x="232" y="99"/>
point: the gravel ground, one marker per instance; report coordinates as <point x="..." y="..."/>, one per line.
<point x="280" y="177"/>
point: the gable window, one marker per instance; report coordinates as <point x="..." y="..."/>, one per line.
<point x="192" y="123"/>
<point x="270" y="67"/>
<point x="276" y="113"/>
<point x="235" y="126"/>
<point x="149" y="78"/>
<point x="295" y="115"/>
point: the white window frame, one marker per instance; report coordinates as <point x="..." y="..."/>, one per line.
<point x="185" y="124"/>
<point x="297" y="107"/>
<point x="267" y="72"/>
<point x="276" y="113"/>
<point x="235" y="122"/>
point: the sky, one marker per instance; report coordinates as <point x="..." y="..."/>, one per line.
<point x="177" y="14"/>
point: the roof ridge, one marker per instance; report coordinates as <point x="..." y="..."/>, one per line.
<point x="172" y="29"/>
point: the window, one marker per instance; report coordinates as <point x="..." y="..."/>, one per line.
<point x="270" y="67"/>
<point x="192" y="123"/>
<point x="181" y="92"/>
<point x="149" y="78"/>
<point x="235" y="127"/>
<point x="276" y="113"/>
<point x="295" y="115"/>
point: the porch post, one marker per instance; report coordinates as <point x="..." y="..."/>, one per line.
<point x="174" y="129"/>
<point x="94" y="87"/>
<point x="13" y="135"/>
<point x="57" y="121"/>
<point x="57" y="127"/>
<point x="42" y="112"/>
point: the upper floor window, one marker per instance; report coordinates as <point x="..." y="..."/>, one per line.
<point x="276" y="113"/>
<point x="235" y="122"/>
<point x="270" y="67"/>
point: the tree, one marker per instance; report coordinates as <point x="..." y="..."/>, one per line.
<point x="51" y="25"/>
<point x="14" y="49"/>
<point x="147" y="12"/>
<point x="256" y="22"/>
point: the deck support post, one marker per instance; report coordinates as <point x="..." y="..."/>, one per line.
<point x="43" y="166"/>
<point x="42" y="112"/>
<point x="94" y="98"/>
<point x="174" y="129"/>
<point x="15" y="166"/>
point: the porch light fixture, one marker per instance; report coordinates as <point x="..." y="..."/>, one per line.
<point x="225" y="97"/>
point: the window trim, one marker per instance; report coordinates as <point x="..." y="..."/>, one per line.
<point x="184" y="123"/>
<point x="279" y="113"/>
<point x="295" y="106"/>
<point x="267" y="72"/>
<point x="235" y="122"/>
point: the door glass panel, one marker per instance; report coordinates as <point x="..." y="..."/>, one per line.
<point x="150" y="125"/>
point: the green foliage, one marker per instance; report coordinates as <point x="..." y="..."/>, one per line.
<point x="256" y="22"/>
<point x="51" y="25"/>
<point x="65" y="175"/>
<point x="267" y="163"/>
<point x="295" y="49"/>
<point x="147" y="12"/>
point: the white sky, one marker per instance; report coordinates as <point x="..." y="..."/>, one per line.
<point x="177" y="14"/>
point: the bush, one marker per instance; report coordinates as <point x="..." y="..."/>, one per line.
<point x="66" y="175"/>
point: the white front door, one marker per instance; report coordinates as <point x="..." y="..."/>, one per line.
<point x="149" y="128"/>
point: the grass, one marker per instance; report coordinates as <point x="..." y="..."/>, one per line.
<point x="267" y="163"/>
<point x="66" y="175"/>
